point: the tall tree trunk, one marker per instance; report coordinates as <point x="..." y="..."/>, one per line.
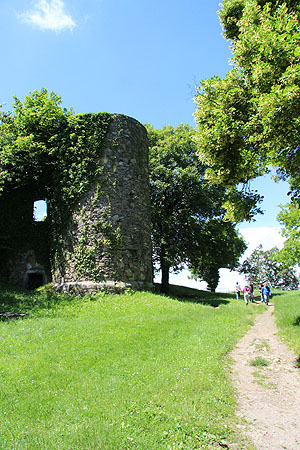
<point x="165" y="271"/>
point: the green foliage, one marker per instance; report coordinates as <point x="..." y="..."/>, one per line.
<point x="136" y="371"/>
<point x="224" y="141"/>
<point x="249" y="121"/>
<point x="221" y="117"/>
<point x="85" y="252"/>
<point x="233" y="10"/>
<point x="268" y="265"/>
<point x="289" y="218"/>
<point x="223" y="248"/>
<point x="259" y="362"/>
<point x="186" y="210"/>
<point x="230" y="15"/>
<point x="53" y="151"/>
<point x="29" y="138"/>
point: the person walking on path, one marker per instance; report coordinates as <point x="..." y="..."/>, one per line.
<point x="266" y="293"/>
<point x="261" y="296"/>
<point x="246" y="292"/>
<point x="238" y="290"/>
<point x="251" y="291"/>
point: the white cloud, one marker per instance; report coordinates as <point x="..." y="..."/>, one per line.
<point x="183" y="279"/>
<point x="268" y="237"/>
<point x="228" y="280"/>
<point x="49" y="15"/>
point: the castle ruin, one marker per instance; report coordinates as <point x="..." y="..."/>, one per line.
<point x="106" y="241"/>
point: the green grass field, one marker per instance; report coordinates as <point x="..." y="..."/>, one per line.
<point x="135" y="371"/>
<point x="287" y="314"/>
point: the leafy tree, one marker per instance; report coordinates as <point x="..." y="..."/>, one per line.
<point x="249" y="120"/>
<point x="42" y="144"/>
<point x="186" y="211"/>
<point x="223" y="247"/>
<point x="289" y="218"/>
<point x="31" y="146"/>
<point x="31" y="139"/>
<point x="267" y="265"/>
<point x="48" y="152"/>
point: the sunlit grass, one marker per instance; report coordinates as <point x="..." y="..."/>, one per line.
<point x="259" y="362"/>
<point x="114" y="372"/>
<point x="287" y="313"/>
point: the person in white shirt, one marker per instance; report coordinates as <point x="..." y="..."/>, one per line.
<point x="238" y="290"/>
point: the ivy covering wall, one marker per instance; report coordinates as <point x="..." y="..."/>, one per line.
<point x="50" y="153"/>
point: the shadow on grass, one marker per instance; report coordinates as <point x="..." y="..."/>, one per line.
<point x="298" y="363"/>
<point x="214" y="303"/>
<point x="191" y="295"/>
<point x="276" y="294"/>
<point x="296" y="321"/>
<point x="18" y="300"/>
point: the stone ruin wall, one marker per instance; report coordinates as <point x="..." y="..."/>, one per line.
<point x="24" y="247"/>
<point x="108" y="243"/>
<point x="111" y="225"/>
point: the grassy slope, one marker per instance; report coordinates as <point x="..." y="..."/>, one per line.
<point x="287" y="314"/>
<point x="117" y="372"/>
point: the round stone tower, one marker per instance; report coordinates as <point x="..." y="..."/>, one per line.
<point x="108" y="241"/>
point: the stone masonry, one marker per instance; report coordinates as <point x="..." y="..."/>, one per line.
<point x="107" y="243"/>
<point x="111" y="225"/>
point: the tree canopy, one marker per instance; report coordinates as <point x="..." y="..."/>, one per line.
<point x="266" y="265"/>
<point x="186" y="211"/>
<point x="220" y="247"/>
<point x="289" y="218"/>
<point x="43" y="148"/>
<point x="29" y="138"/>
<point x="44" y="143"/>
<point x="249" y="121"/>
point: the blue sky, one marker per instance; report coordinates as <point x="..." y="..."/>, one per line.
<point x="139" y="58"/>
<point x="134" y="57"/>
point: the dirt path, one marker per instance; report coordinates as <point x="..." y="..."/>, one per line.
<point x="268" y="396"/>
